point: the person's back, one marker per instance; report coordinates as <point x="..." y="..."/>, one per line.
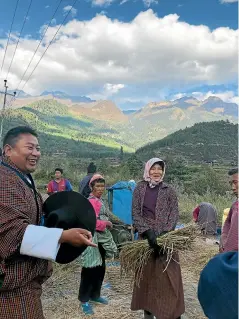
<point x="206" y="217"/>
<point x="218" y="287"/>
<point x="84" y="188"/>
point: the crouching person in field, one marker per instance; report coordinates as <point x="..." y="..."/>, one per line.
<point x="93" y="260"/>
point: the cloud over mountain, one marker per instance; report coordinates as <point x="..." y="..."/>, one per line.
<point x="148" y="51"/>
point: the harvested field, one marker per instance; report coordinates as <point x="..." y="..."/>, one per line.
<point x="61" y="291"/>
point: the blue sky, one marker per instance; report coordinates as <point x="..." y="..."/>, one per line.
<point x="208" y="12"/>
<point x="154" y="73"/>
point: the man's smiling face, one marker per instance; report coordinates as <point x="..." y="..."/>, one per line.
<point x="25" y="153"/>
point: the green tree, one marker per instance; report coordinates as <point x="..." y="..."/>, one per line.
<point x="135" y="166"/>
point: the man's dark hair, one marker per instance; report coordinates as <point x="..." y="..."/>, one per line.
<point x="0" y="151"/>
<point x="91" y="169"/>
<point x="13" y="135"/>
<point x="59" y="170"/>
<point x="99" y="180"/>
<point x="233" y="171"/>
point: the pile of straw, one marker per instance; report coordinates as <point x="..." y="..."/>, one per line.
<point x="134" y="255"/>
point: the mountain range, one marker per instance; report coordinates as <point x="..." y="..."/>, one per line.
<point x="102" y="124"/>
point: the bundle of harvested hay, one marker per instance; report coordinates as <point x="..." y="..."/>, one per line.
<point x="134" y="255"/>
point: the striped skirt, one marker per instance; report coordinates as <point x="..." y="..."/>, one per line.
<point x="160" y="292"/>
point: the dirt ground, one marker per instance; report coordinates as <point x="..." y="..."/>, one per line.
<point x="61" y="291"/>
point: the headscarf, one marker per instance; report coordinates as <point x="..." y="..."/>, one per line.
<point x="94" y="178"/>
<point x="148" y="166"/>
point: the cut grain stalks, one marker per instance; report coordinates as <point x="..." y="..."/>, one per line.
<point x="135" y="255"/>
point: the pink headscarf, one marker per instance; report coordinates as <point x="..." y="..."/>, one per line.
<point x="148" y="166"/>
<point x="94" y="178"/>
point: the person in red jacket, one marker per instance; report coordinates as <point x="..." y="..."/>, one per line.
<point x="59" y="184"/>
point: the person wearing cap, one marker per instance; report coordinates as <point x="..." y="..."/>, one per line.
<point x="93" y="260"/>
<point x="218" y="287"/>
<point x="229" y="237"/>
<point x="84" y="188"/>
<point x="26" y="245"/>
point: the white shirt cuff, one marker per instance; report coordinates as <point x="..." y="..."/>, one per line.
<point x="41" y="242"/>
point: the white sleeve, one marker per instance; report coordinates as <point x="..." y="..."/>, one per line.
<point x="41" y="242"/>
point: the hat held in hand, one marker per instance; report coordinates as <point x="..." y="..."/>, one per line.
<point x="68" y="210"/>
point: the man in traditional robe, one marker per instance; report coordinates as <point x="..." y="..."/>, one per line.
<point x="26" y="246"/>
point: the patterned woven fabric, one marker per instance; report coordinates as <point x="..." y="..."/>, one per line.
<point x="230" y="230"/>
<point x="166" y="210"/>
<point x="27" y="306"/>
<point x="91" y="257"/>
<point x="18" y="209"/>
<point x="160" y="291"/>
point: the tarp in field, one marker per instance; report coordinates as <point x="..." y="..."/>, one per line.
<point x="120" y="200"/>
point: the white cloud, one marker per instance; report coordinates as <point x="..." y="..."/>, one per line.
<point x="107" y="91"/>
<point x="70" y="8"/>
<point x="228" y="1"/>
<point x="113" y="88"/>
<point x="101" y="3"/>
<point x="46" y="7"/>
<point x="123" y="2"/>
<point x="145" y="53"/>
<point x="148" y="3"/>
<point x="226" y="96"/>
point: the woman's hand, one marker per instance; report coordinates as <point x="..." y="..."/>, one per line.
<point x="151" y="237"/>
<point x="109" y="224"/>
<point x="77" y="237"/>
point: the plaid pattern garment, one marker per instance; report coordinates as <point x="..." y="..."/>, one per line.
<point x="230" y="230"/>
<point x="23" y="275"/>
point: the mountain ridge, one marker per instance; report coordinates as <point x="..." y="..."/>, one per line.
<point x="132" y="129"/>
<point x="212" y="141"/>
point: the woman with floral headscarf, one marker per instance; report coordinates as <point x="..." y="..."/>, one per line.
<point x="155" y="211"/>
<point x="93" y="260"/>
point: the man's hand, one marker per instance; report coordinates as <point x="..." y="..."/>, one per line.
<point x="77" y="237"/>
<point x="109" y="224"/>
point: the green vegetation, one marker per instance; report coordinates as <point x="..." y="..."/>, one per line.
<point x="71" y="142"/>
<point x="213" y="141"/>
<point x="61" y="132"/>
<point x="194" y="184"/>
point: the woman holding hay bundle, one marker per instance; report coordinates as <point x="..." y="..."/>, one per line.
<point x="155" y="211"/>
